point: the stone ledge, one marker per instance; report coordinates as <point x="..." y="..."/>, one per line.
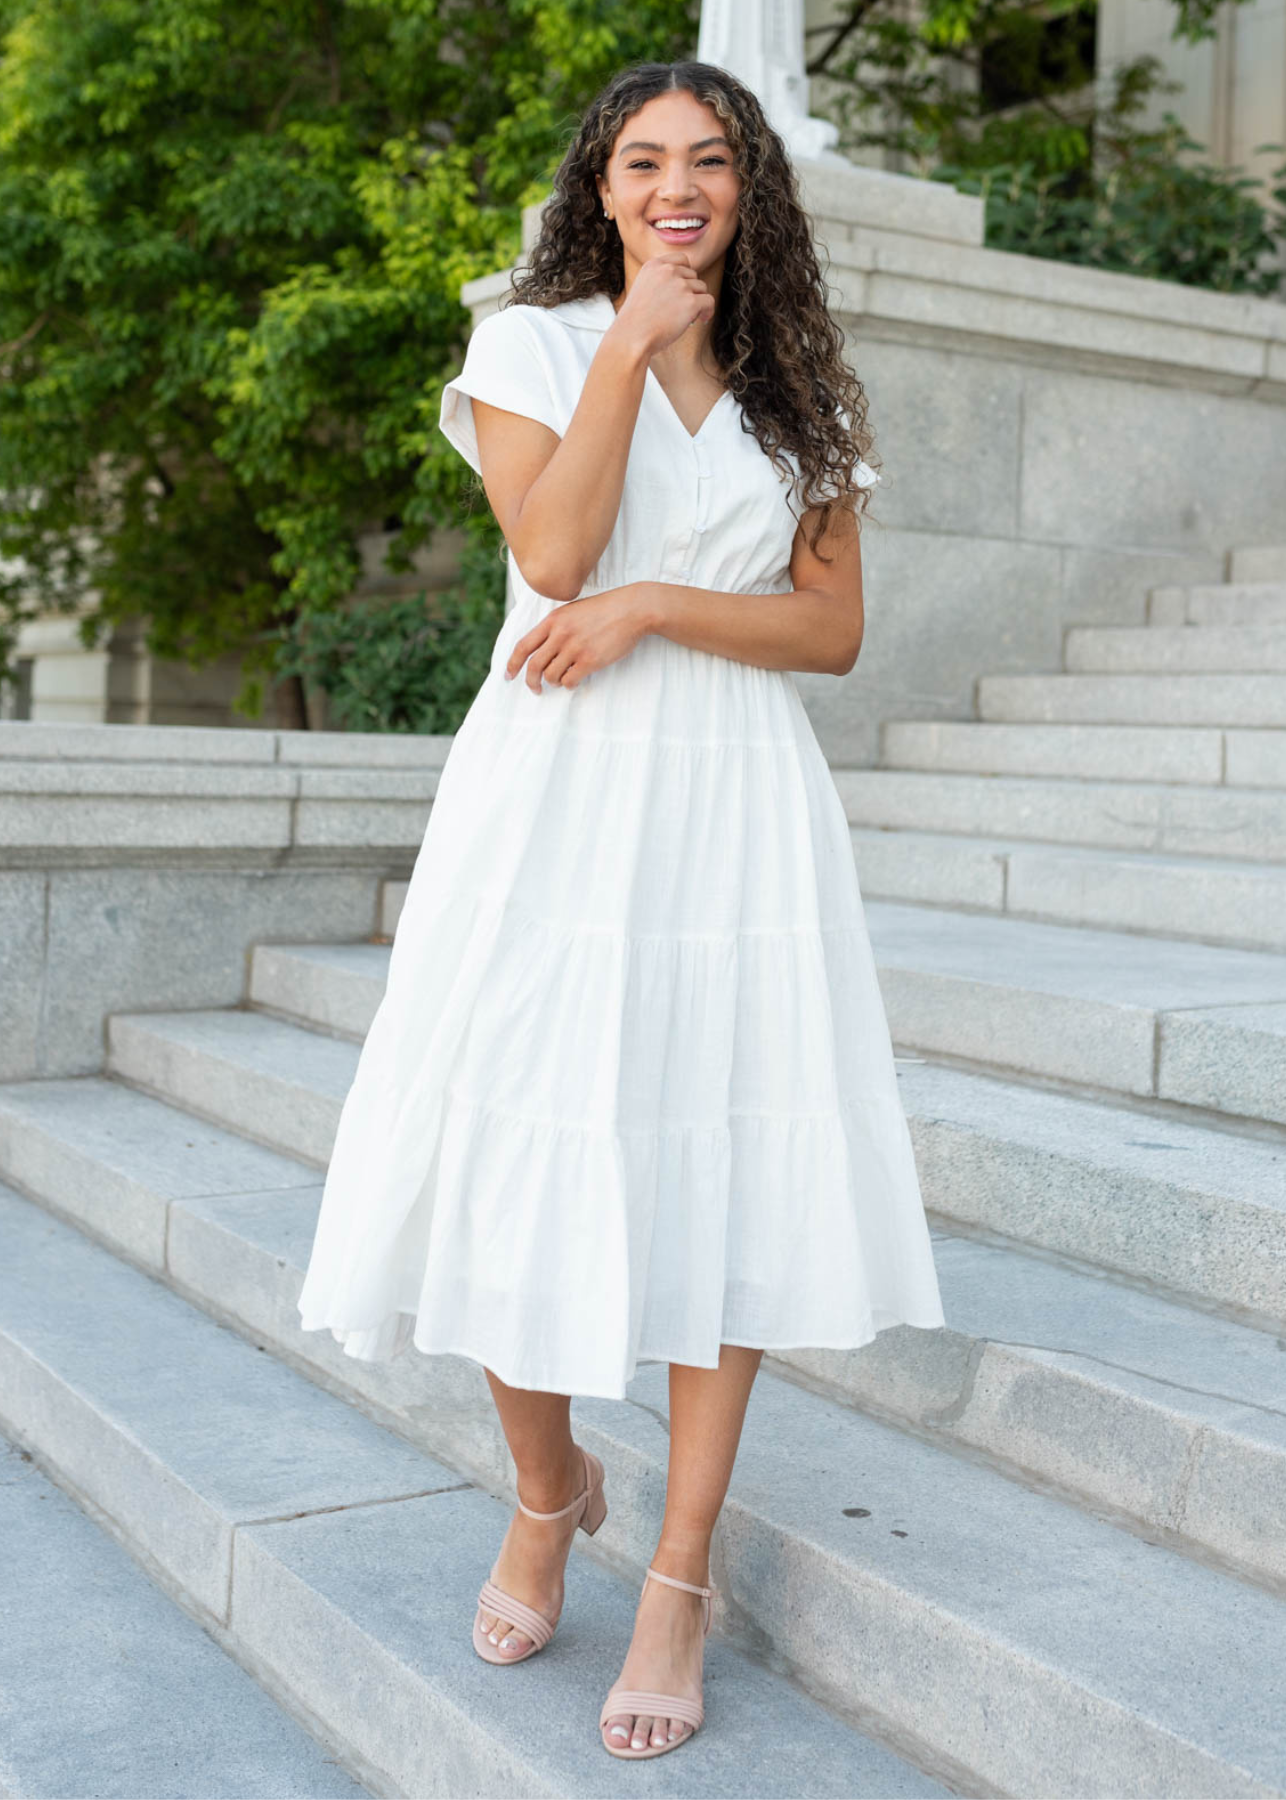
<point x="40" y="741"/>
<point x="60" y="812"/>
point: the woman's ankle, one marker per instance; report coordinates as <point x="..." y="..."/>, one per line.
<point x="684" y="1561"/>
<point x="548" y="1485"/>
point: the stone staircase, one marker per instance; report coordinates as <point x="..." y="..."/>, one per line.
<point x="1042" y="1551"/>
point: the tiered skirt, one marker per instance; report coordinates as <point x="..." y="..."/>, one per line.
<point x="629" y="1093"/>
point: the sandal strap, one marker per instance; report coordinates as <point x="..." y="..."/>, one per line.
<point x="531" y="1623"/>
<point x="655" y="1706"/>
<point x="562" y="1511"/>
<point x="690" y="1587"/>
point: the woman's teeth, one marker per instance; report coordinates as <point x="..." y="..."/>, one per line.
<point x="679" y="227"/>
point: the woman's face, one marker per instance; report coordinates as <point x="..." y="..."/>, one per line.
<point x="672" y="162"/>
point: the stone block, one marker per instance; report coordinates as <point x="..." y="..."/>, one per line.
<point x="113" y="1160"/>
<point x="1215" y="649"/>
<point x="127" y="939"/>
<point x="1129" y="463"/>
<point x="1247" y="823"/>
<point x="259" y="1075"/>
<point x="1220" y="902"/>
<point x="1256" y="758"/>
<point x="1234" y="604"/>
<point x="935" y="870"/>
<point x="1092" y="752"/>
<point x="1260" y="562"/>
<point x="1257" y="700"/>
<point x="1185" y="1211"/>
<point x="334" y="986"/>
<point x="1230" y="1058"/>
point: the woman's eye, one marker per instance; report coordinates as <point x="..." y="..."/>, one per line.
<point x="644" y="163"/>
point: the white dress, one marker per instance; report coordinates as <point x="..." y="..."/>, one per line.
<point x="629" y="1093"/>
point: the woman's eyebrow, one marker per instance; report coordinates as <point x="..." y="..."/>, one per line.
<point x="701" y="143"/>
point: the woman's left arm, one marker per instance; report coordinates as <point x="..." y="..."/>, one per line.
<point x="817" y="626"/>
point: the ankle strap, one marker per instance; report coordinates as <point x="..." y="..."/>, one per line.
<point x="673" y="1581"/>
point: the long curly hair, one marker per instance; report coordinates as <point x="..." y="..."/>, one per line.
<point x="779" y="348"/>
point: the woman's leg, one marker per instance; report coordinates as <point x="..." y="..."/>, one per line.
<point x="707" y="1409"/>
<point x="537" y="1428"/>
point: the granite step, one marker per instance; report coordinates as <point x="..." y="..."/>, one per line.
<point x="1127" y="1401"/>
<point x="110" y="1689"/>
<point x="1146" y="1017"/>
<point x="1183" y="650"/>
<point x="1257" y="562"/>
<point x="1231" y="603"/>
<point x="1012" y="1639"/>
<point x="1211" y="899"/>
<point x="341" y="1562"/>
<point x="1233" y="700"/>
<point x="1242" y="823"/>
<point x="1202" y="756"/>
<point x="1195" y="1212"/>
<point x="1153" y="1018"/>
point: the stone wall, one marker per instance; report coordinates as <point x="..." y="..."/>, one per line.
<point x="138" y="864"/>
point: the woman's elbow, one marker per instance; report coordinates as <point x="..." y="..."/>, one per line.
<point x="849" y="652"/>
<point x="555" y="580"/>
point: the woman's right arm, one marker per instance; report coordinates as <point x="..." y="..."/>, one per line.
<point x="557" y="499"/>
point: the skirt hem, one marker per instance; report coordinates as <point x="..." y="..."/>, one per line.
<point x="936" y="1323"/>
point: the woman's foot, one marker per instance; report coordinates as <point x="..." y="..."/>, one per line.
<point x="534" y="1553"/>
<point x="665" y="1657"/>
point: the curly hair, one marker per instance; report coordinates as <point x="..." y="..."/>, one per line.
<point x="779" y="348"/>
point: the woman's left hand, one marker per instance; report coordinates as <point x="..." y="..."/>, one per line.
<point x="572" y="641"/>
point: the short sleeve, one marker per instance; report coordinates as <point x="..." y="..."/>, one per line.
<point x="505" y="364"/>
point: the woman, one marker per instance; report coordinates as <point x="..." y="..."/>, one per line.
<point x="629" y="1095"/>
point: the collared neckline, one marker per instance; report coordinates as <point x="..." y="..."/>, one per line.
<point x="593" y="313"/>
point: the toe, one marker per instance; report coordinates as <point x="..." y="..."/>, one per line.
<point x="641" y="1733"/>
<point x="511" y="1641"/>
<point x="617" y="1728"/>
<point x="677" y="1728"/>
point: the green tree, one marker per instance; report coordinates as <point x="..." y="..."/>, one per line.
<point x="232" y="240"/>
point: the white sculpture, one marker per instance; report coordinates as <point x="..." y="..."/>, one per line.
<point x="761" y="42"/>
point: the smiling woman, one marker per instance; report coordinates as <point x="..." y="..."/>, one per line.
<point x="629" y="1096"/>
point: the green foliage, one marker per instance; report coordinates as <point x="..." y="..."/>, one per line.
<point x="1063" y="174"/>
<point x="409" y="664"/>
<point x="1147" y="213"/>
<point x="232" y="241"/>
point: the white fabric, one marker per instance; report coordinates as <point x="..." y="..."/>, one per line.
<point x="629" y="1093"/>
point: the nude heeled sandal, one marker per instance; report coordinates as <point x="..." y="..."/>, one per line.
<point x="525" y="1618"/>
<point x="656" y="1706"/>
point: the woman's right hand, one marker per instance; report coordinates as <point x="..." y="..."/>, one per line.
<point x="666" y="296"/>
